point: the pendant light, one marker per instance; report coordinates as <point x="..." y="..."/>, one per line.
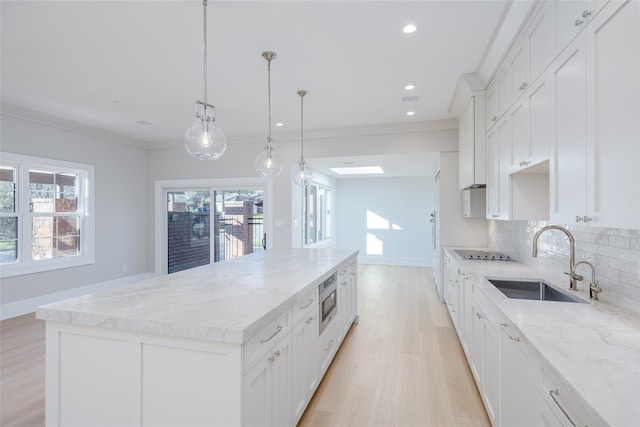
<point x="269" y="163"/>
<point x="302" y="174"/>
<point x="203" y="140"/>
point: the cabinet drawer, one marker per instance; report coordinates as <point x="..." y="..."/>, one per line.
<point x="260" y="345"/>
<point x="564" y="401"/>
<point x="305" y="304"/>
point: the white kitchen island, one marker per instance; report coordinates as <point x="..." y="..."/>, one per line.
<point x="228" y="344"/>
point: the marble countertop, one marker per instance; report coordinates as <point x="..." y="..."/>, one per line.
<point x="230" y="301"/>
<point x="595" y="346"/>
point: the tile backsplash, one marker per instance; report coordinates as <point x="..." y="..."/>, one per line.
<point x="615" y="253"/>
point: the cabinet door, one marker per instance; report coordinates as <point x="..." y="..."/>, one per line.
<point x="256" y="395"/>
<point x="518" y="66"/>
<point x="540" y="41"/>
<point x="613" y="116"/>
<point x="493" y="174"/>
<point x="504" y="159"/>
<point x="267" y="388"/>
<point x="304" y="367"/>
<point x="568" y="21"/>
<point x="540" y="103"/>
<point x="281" y="383"/>
<point x="491" y="369"/>
<point x="493" y="104"/>
<point x="567" y="166"/>
<point x="519" y="135"/>
<point x="517" y="384"/>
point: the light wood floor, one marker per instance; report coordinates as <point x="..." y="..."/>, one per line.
<point x="402" y="365"/>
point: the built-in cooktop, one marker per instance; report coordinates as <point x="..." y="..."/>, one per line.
<point x="482" y="255"/>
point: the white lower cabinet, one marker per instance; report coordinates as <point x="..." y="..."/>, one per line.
<point x="267" y="388"/>
<point x="517" y="379"/>
<point x="305" y="371"/>
<point x="485" y="354"/>
<point x="518" y="387"/>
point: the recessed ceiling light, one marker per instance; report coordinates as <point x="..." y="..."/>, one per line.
<point x="279" y="124"/>
<point x="410" y="113"/>
<point x="409" y="87"/>
<point x="358" y="170"/>
<point x="409" y="29"/>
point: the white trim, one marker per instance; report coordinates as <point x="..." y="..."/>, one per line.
<point x="18" y="308"/>
<point x="215" y="184"/>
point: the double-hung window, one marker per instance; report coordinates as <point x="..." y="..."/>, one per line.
<point x="46" y="214"/>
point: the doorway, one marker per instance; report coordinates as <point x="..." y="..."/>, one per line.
<point x="199" y="222"/>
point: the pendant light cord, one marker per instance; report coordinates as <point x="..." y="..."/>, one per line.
<point x="301" y="127"/>
<point x="204" y="8"/>
<point x="269" y="95"/>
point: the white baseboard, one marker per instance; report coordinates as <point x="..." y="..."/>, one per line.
<point x="410" y="262"/>
<point x="18" y="308"/>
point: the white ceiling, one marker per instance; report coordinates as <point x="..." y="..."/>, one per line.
<point x="110" y="64"/>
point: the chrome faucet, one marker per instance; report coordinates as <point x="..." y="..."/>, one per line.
<point x="594" y="289"/>
<point x="573" y="283"/>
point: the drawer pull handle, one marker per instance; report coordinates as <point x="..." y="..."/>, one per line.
<point x="553" y="394"/>
<point x="309" y="320"/>
<point x="278" y="329"/>
<point x="308" y="305"/>
<point x="579" y="22"/>
<point x="478" y="315"/>
<point x="504" y="327"/>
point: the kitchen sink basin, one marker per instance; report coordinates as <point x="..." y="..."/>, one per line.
<point x="531" y="289"/>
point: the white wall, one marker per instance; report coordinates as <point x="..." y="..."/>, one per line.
<point x="238" y="161"/>
<point x="386" y="219"/>
<point x="121" y="207"/>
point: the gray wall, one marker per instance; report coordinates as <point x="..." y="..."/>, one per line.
<point x="121" y="205"/>
<point x="386" y="219"/>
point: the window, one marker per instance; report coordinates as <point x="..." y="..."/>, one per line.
<point x="46" y="215"/>
<point x="317" y="202"/>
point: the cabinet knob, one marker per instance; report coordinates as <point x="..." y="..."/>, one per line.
<point x="579" y="22"/>
<point x="523" y="86"/>
<point x="494" y="119"/>
<point x="478" y="315"/>
<point x="586" y="13"/>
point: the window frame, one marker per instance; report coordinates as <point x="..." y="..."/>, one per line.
<point x="25" y="264"/>
<point x="322" y="214"/>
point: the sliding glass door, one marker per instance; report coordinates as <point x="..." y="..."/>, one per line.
<point x="211" y="224"/>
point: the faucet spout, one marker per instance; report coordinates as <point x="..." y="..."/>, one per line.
<point x="573" y="282"/>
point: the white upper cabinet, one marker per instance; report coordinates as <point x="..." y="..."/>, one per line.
<point x="568" y="161"/>
<point x="571" y="17"/>
<point x="539" y="37"/>
<point x="597" y="110"/>
<point x="613" y="116"/>
<point x="498" y="179"/>
<point x="531" y="126"/>
<point x="518" y="65"/>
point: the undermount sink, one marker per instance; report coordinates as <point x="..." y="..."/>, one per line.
<point x="531" y="289"/>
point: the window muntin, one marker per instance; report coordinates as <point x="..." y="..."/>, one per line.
<point x="45" y="221"/>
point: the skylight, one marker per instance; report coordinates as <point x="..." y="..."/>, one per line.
<point x="358" y="170"/>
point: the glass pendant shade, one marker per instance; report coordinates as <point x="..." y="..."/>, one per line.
<point x="203" y="140"/>
<point x="302" y="174"/>
<point x="268" y="162"/>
